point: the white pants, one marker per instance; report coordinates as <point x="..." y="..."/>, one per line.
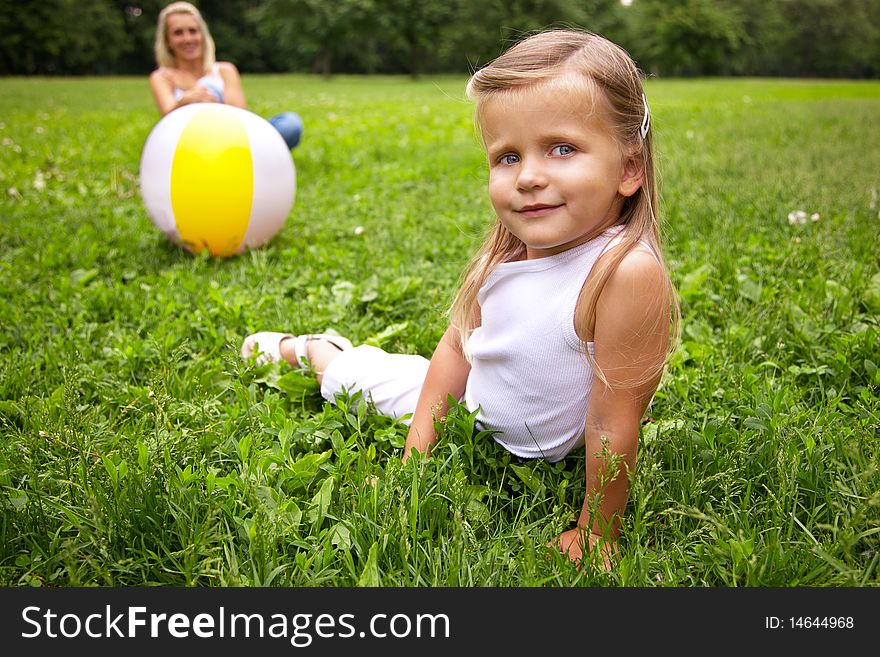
<point x="392" y="381"/>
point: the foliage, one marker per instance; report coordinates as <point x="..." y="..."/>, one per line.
<point x="36" y="37"/>
<point x="321" y="31"/>
<point x="688" y="37"/>
<point x="137" y="449"/>
<point x="834" y="38"/>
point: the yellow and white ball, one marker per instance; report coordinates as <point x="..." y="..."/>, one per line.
<point x="217" y="177"/>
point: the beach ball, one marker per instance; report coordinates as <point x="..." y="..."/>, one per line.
<point x="217" y="177"/>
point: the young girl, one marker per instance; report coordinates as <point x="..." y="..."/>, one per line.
<point x="187" y="72"/>
<point x="562" y="323"/>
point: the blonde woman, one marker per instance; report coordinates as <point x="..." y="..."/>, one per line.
<point x="188" y="73"/>
<point x="565" y="317"/>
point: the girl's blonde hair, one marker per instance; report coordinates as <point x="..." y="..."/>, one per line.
<point x="604" y="66"/>
<point x="164" y="56"/>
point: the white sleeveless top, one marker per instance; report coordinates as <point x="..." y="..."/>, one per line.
<point x="529" y="374"/>
<point x="212" y="81"/>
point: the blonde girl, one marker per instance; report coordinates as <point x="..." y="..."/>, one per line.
<point x="564" y="318"/>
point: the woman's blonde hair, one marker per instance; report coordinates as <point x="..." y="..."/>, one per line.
<point x="164" y="56"/>
<point x="604" y="66"/>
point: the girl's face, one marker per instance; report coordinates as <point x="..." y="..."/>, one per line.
<point x="557" y="177"/>
<point x="184" y="36"/>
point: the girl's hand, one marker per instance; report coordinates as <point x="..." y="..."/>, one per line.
<point x="570" y="543"/>
<point x="446" y="377"/>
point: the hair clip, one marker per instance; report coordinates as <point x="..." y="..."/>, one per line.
<point x="646" y="121"/>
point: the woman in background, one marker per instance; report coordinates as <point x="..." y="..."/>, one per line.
<point x="188" y="73"/>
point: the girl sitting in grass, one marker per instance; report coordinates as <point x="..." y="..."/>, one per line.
<point x="563" y="321"/>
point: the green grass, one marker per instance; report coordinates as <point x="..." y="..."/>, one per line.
<point x="138" y="450"/>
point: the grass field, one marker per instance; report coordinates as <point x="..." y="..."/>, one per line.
<point x="138" y="450"/>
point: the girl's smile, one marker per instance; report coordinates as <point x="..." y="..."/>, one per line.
<point x="537" y="210"/>
<point x="557" y="177"/>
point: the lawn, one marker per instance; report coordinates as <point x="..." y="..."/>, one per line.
<point x="137" y="449"/>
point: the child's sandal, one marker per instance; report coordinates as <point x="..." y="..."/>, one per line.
<point x="269" y="345"/>
<point x="300" y="341"/>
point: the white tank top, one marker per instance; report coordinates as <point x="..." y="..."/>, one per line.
<point x="529" y="374"/>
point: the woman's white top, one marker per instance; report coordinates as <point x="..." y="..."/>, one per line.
<point x="529" y="374"/>
<point x="212" y="81"/>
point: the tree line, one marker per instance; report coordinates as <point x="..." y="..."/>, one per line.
<point x="798" y="38"/>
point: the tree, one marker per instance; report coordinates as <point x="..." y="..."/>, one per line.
<point x="480" y="31"/>
<point x="413" y="31"/>
<point x="671" y="37"/>
<point x="766" y="35"/>
<point x="235" y="28"/>
<point x="833" y="37"/>
<point x="321" y="30"/>
<point x="60" y="36"/>
<point x="687" y="37"/>
<point x="139" y="21"/>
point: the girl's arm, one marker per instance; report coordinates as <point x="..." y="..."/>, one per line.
<point x="630" y="337"/>
<point x="162" y="89"/>
<point x="447" y="375"/>
<point x="233" y="93"/>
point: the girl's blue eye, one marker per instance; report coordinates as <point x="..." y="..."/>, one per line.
<point x="563" y="149"/>
<point x="510" y="158"/>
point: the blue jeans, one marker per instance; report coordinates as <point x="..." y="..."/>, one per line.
<point x="290" y="126"/>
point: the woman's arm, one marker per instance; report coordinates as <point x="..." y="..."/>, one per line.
<point x="233" y="93"/>
<point x="162" y="89"/>
<point x="630" y="337"/>
<point x="447" y="375"/>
